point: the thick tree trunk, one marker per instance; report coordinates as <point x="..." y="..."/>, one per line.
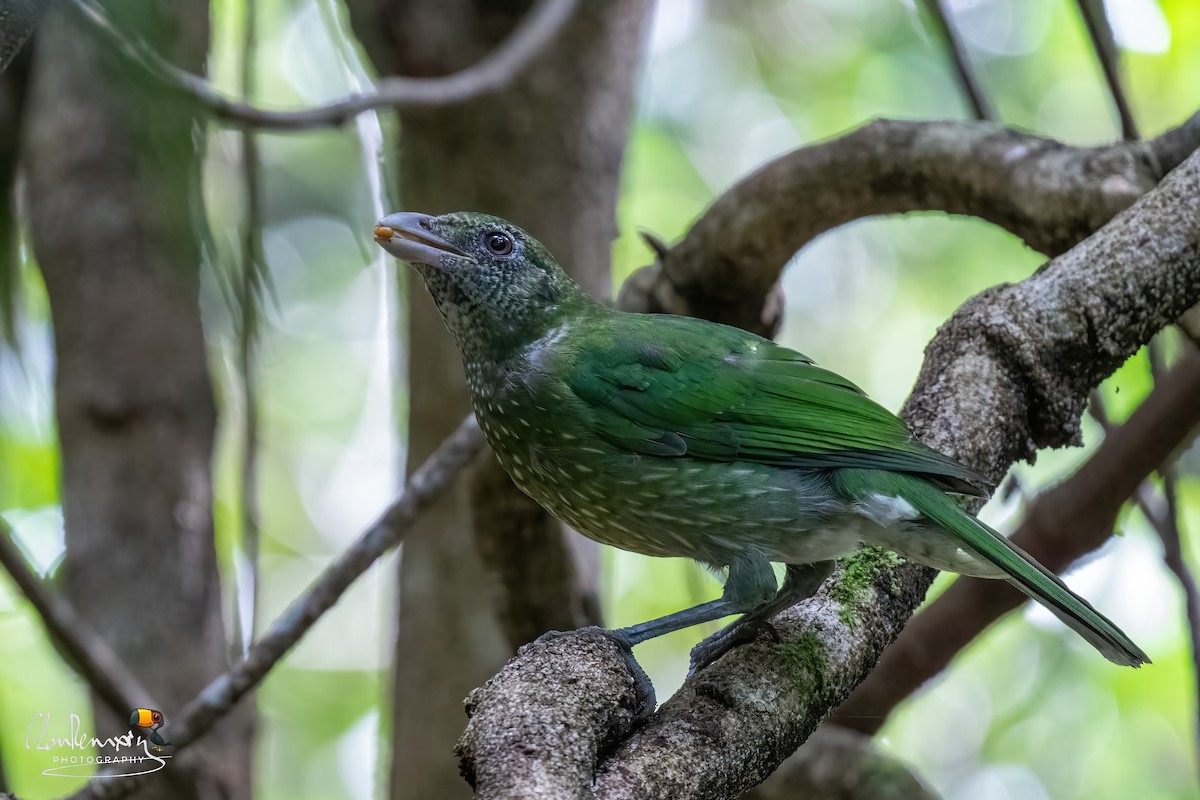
<point x="113" y="184"/>
<point x="546" y="154"/>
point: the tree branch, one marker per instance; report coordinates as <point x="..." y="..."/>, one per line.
<point x="1163" y="515"/>
<point x="587" y="668"/>
<point x="1050" y="194"/>
<point x="839" y="764"/>
<point x="1063" y="524"/>
<point x="1101" y="35"/>
<point x="1008" y="373"/>
<point x="967" y="80"/>
<point x="85" y="650"/>
<point x="539" y="27"/>
<point x="222" y="694"/>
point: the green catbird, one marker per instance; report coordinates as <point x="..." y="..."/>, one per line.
<point x="673" y="436"/>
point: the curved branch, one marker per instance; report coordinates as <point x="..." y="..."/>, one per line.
<point x="85" y="649"/>
<point x="1050" y="194"/>
<point x="1010" y="371"/>
<point x="223" y="693"/>
<point x="531" y="36"/>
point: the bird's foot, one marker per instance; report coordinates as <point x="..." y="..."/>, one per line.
<point x="744" y="631"/>
<point x="643" y="688"/>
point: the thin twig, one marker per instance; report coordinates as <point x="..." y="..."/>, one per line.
<point x="495" y="71"/>
<point x="1105" y="46"/>
<point x="85" y="651"/>
<point x="1163" y="515"/>
<point x="1162" y="512"/>
<point x="967" y="80"/>
<point x="424" y="486"/>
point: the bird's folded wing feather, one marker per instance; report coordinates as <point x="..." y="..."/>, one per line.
<point x="673" y="386"/>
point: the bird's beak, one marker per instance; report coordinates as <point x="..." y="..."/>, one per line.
<point x="407" y="236"/>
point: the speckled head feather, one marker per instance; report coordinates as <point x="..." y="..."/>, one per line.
<point x="496" y="286"/>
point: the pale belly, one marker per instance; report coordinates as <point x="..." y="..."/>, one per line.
<point x="711" y="511"/>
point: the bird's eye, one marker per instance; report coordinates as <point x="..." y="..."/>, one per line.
<point x="499" y="243"/>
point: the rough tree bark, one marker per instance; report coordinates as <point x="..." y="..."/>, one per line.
<point x="113" y="186"/>
<point x="1008" y="373"/>
<point x="546" y="154"/>
<point x="840" y="764"/>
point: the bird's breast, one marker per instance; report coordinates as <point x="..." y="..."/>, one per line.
<point x="547" y="442"/>
<point x="656" y="506"/>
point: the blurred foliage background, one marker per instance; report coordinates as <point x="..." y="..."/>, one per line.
<point x="1028" y="712"/>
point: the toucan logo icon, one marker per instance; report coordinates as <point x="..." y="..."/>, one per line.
<point x="150" y="720"/>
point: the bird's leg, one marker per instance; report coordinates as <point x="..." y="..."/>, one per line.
<point x="751" y="584"/>
<point x="705" y="612"/>
<point x="801" y="581"/>
<point x="626" y="638"/>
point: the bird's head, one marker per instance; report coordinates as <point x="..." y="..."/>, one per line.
<point x="494" y="284"/>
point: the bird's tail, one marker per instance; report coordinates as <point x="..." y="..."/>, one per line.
<point x="1018" y="566"/>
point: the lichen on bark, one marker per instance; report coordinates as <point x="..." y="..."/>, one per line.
<point x="857" y="583"/>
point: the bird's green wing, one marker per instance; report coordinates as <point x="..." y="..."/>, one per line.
<point x="674" y="386"/>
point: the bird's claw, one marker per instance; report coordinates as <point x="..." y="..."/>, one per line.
<point x="643" y="687"/>
<point x="739" y="633"/>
